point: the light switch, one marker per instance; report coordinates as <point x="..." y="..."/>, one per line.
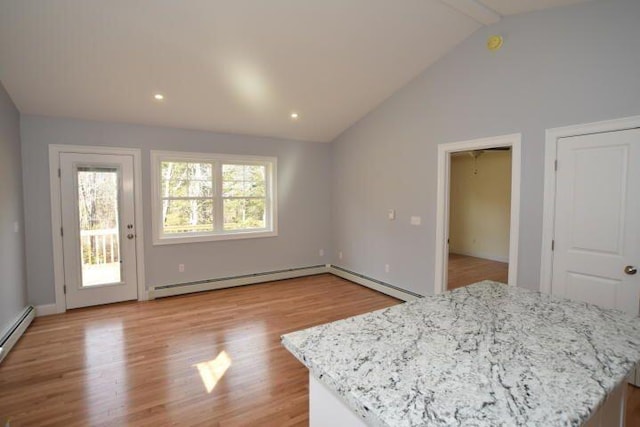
<point x="16" y="227"/>
<point x="391" y="214"/>
<point x="416" y="220"/>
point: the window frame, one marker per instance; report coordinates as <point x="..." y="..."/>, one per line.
<point x="217" y="160"/>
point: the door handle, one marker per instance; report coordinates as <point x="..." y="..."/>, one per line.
<point x="630" y="270"/>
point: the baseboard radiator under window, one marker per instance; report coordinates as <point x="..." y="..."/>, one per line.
<point x="231" y="281"/>
<point x="15" y="331"/>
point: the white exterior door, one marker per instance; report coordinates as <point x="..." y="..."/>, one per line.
<point x="98" y="228"/>
<point x="597" y="220"/>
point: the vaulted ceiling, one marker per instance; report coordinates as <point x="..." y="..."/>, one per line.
<point x="241" y="66"/>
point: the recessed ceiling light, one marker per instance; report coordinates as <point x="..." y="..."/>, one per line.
<point x="294" y="116"/>
<point x="158" y="97"/>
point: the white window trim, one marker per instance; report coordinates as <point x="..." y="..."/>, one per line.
<point x="156" y="200"/>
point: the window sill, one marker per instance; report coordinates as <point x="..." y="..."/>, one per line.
<point x="212" y="237"/>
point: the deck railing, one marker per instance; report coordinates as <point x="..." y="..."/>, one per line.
<point x="100" y="246"/>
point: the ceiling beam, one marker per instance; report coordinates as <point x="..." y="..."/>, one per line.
<point x="475" y="10"/>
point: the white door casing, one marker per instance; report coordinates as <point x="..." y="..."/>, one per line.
<point x="118" y="282"/>
<point x="55" y="150"/>
<point x="597" y="219"/>
<point x="552" y="136"/>
<point x="442" y="202"/>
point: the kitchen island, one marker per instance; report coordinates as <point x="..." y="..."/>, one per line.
<point x="484" y="355"/>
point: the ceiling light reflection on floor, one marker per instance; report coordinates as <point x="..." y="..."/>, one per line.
<point x="213" y="370"/>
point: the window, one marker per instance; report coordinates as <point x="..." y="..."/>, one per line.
<point x="203" y="197"/>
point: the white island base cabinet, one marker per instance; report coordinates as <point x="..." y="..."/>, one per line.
<point x="328" y="410"/>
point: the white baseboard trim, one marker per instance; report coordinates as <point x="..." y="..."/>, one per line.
<point x="374" y="284"/>
<point x="230" y="282"/>
<point x="251" y="279"/>
<point x="15" y="331"/>
<point x="46" y="310"/>
<point x="491" y="257"/>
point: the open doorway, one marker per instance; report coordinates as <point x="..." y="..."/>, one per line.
<point x="477" y="218"/>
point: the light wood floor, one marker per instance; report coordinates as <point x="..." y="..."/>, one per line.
<point x="138" y="363"/>
<point x="464" y="270"/>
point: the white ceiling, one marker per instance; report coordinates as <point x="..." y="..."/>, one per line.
<point x="237" y="66"/>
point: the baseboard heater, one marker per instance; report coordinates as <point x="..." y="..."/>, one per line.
<point x="15" y="331"/>
<point x="268" y="276"/>
<point x="231" y="281"/>
<point x="375" y="284"/>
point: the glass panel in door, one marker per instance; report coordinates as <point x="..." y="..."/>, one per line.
<point x="98" y="206"/>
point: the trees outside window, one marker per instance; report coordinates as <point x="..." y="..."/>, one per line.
<point x="201" y="197"/>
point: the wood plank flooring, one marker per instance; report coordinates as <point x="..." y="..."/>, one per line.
<point x="137" y="363"/>
<point x="464" y="270"/>
<point x="144" y="363"/>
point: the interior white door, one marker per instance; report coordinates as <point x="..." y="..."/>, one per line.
<point x="597" y="220"/>
<point x="98" y="228"/>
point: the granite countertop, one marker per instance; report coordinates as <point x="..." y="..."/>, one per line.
<point x="484" y="355"/>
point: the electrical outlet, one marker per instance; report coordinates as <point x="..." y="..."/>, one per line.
<point x="386" y="268"/>
<point x="340" y="255"/>
<point x="321" y="252"/>
<point x="181" y="268"/>
<point x="416" y="220"/>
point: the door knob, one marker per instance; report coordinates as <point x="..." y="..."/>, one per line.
<point x="630" y="269"/>
<point x="130" y="236"/>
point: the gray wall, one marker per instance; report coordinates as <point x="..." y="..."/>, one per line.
<point x="303" y="202"/>
<point x="13" y="284"/>
<point x="557" y="67"/>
